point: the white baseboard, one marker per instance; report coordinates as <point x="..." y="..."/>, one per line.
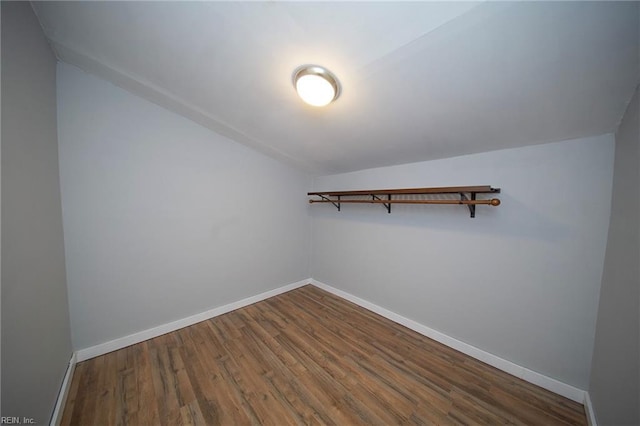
<point x="588" y="408"/>
<point x="132" y="339"/>
<point x="516" y="370"/>
<point x="56" y="417"/>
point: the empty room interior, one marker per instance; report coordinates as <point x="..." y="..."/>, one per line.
<point x="349" y="213"/>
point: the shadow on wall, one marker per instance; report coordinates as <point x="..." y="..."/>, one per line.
<point x="513" y="218"/>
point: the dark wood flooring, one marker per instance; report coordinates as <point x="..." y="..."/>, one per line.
<point x="303" y="357"/>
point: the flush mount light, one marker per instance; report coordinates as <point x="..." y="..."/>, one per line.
<point x="316" y="85"/>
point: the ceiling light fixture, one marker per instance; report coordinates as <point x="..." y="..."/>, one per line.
<point x="316" y="85"/>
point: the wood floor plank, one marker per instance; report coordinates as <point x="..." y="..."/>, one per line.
<point x="85" y="408"/>
<point x="73" y="393"/>
<point x="191" y="415"/>
<point x="219" y="402"/>
<point x="305" y="357"/>
<point x="166" y="390"/>
<point x="147" y="411"/>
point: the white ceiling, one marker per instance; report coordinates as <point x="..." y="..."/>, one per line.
<point x="421" y="80"/>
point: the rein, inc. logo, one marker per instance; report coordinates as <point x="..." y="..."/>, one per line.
<point x="13" y="420"/>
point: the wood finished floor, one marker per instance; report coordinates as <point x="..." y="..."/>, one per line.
<point x="303" y="357"/>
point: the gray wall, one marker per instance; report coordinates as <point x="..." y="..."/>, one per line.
<point x="164" y="218"/>
<point x="615" y="375"/>
<point x="520" y="281"/>
<point x="36" y="341"/>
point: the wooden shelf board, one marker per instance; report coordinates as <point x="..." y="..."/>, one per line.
<point x="482" y="189"/>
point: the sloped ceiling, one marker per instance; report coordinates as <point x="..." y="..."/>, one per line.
<point x="421" y="80"/>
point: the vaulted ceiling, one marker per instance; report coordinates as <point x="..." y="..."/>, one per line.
<point x="420" y="80"/>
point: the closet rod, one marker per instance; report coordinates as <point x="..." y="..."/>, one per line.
<point x="493" y="201"/>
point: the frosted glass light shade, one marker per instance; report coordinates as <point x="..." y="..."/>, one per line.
<point x="316" y="85"/>
<point x="315" y="90"/>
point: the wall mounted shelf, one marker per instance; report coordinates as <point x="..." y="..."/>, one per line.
<point x="386" y="197"/>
